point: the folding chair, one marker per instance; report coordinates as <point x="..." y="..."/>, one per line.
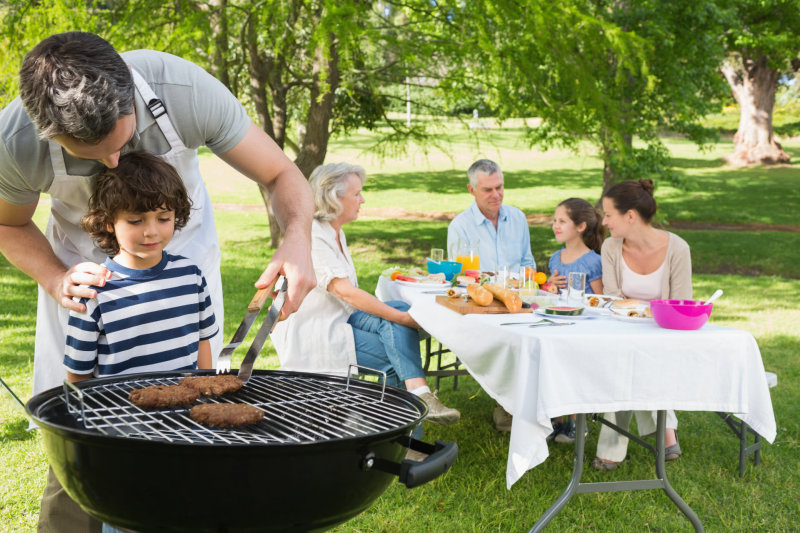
<point x="741" y="430"/>
<point x="452" y="369"/>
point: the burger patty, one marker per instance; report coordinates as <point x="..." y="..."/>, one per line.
<point x="213" y="385"/>
<point x="226" y="415"/>
<point x="157" y="396"/>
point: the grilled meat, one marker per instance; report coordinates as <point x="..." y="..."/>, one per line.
<point x="226" y="415"/>
<point x="157" y="396"/>
<point x="213" y="385"/>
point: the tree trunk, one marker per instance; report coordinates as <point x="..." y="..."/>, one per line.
<point x="261" y="70"/>
<point x="753" y="83"/>
<point x="220" y="51"/>
<point x="315" y="142"/>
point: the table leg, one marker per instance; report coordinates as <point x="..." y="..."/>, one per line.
<point x="661" y="474"/>
<point x="575" y="480"/>
<point x="575" y="486"/>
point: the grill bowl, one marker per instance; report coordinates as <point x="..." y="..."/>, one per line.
<point x="145" y="484"/>
<point x="680" y="314"/>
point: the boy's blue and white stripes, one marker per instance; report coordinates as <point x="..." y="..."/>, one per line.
<point x="142" y="321"/>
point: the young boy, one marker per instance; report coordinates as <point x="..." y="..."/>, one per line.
<point x="154" y="313"/>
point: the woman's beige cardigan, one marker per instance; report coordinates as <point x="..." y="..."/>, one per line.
<point x="677" y="281"/>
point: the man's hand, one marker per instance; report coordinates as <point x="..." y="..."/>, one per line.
<point x="77" y="282"/>
<point x="293" y="260"/>
<point x="260" y="159"/>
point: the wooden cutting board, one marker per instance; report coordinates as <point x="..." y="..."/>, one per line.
<point x="469" y="307"/>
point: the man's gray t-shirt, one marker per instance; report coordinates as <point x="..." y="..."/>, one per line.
<point x="200" y="107"/>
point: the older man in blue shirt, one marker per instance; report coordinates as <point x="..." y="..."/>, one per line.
<point x="501" y="229"/>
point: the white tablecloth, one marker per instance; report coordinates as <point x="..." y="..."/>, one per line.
<point x="594" y="366"/>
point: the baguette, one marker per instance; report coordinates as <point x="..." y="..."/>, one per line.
<point x="479" y="294"/>
<point x="507" y="296"/>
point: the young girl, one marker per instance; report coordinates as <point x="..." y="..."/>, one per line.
<point x="579" y="226"/>
<point x="154" y="313"/>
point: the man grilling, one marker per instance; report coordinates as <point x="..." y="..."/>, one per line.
<point x="81" y="106"/>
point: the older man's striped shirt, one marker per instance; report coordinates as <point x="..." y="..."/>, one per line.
<point x="142" y="321"/>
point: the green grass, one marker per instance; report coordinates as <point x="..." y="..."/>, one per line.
<point x="757" y="269"/>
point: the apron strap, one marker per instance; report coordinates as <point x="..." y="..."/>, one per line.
<point x="57" y="159"/>
<point x="158" y="110"/>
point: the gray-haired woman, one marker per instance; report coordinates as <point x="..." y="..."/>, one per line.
<point x="340" y="324"/>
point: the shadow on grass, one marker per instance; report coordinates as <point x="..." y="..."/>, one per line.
<point x="455" y="181"/>
<point x="789" y="129"/>
<point x="683" y="162"/>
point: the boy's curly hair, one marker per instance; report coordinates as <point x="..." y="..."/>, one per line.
<point x="141" y="182"/>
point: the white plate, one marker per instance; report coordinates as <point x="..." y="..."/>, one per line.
<point x="604" y="299"/>
<point x="586" y="314"/>
<point x="626" y="318"/>
<point x="423" y="284"/>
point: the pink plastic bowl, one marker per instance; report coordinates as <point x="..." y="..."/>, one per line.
<point x="680" y="314"/>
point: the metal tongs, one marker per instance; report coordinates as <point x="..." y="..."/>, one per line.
<point x="246" y="368"/>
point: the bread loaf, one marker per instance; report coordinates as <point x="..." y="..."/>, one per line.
<point x="510" y="298"/>
<point x="479" y="294"/>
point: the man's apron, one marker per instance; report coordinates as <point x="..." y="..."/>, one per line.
<point x="69" y="203"/>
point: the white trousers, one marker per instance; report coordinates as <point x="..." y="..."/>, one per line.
<point x="613" y="446"/>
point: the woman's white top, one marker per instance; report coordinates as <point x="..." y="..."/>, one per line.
<point x="317" y="338"/>
<point x="642" y="286"/>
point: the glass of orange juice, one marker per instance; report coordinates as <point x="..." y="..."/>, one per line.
<point x="469" y="256"/>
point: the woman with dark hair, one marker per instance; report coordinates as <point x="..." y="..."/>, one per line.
<point x="579" y="226"/>
<point x="644" y="263"/>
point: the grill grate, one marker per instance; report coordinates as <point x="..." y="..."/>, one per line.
<point x="297" y="409"/>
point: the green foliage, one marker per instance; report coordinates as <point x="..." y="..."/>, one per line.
<point x="23" y="24"/>
<point x="766" y="28"/>
<point x="603" y="71"/>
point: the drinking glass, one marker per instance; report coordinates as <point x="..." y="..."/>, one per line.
<point x="502" y="276"/>
<point x="469" y="255"/>
<point x="576" y="287"/>
<point x="437" y="254"/>
<point x="526" y="278"/>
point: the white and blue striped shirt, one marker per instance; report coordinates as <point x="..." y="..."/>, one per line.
<point x="142" y="321"/>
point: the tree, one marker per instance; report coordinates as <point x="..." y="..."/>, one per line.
<point x="609" y="72"/>
<point x="303" y="68"/>
<point x="762" y="45"/>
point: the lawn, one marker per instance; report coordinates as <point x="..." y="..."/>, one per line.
<point x="759" y="270"/>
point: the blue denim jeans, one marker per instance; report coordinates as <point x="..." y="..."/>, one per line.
<point x="386" y="346"/>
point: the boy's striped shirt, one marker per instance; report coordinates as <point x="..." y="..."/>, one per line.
<point x="142" y="321"/>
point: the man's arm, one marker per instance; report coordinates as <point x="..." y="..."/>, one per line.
<point x="259" y="158"/>
<point x="26" y="247"/>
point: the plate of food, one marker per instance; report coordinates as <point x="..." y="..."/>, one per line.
<point x="431" y="280"/>
<point x="599" y="301"/>
<point x="630" y="310"/>
<point x="564" y="311"/>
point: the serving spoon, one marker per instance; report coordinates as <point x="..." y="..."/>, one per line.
<point x="714" y="296"/>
